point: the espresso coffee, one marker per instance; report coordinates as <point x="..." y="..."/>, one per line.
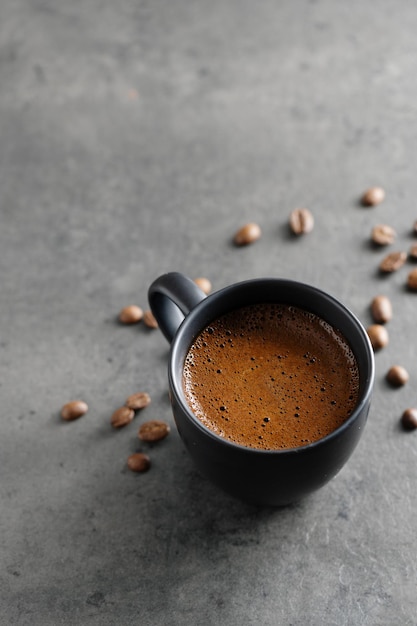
<point x="271" y="376"/>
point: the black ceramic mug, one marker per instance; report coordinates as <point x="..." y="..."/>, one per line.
<point x="271" y="477"/>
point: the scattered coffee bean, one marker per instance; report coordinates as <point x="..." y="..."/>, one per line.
<point x="413" y="252"/>
<point x="138" y="401"/>
<point x="383" y="235"/>
<point x="381" y="309"/>
<point x="301" y="221"/>
<point x="378" y="335"/>
<point x="131" y="314"/>
<point x="397" y="376"/>
<point x="122" y="417"/>
<point x="373" y="196"/>
<point x="149" y="320"/>
<point x="138" y="462"/>
<point x="249" y="233"/>
<point x="204" y="284"/>
<point x="409" y="419"/>
<point x="153" y="430"/>
<point x="73" y="410"/>
<point x="392" y="262"/>
<point x="412" y="280"/>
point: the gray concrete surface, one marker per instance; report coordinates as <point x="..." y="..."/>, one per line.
<point x="135" y="138"/>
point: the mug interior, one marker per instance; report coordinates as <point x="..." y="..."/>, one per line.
<point x="270" y="290"/>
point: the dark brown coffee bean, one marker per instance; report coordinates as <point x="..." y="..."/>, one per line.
<point x="383" y="235"/>
<point x="381" y="309"/>
<point x="301" y="221"/>
<point x="409" y="419"/>
<point x="392" y="262"/>
<point x="373" y="196"/>
<point x="397" y="376"/>
<point x="122" y="417"/>
<point x="138" y="462"/>
<point x="413" y="252"/>
<point x="73" y="410"/>
<point x="153" y="430"/>
<point x="204" y="284"/>
<point x="378" y="335"/>
<point x="249" y="233"/>
<point x="412" y="280"/>
<point x="415" y="228"/>
<point x="138" y="401"/>
<point x="149" y="320"/>
<point x="131" y="314"/>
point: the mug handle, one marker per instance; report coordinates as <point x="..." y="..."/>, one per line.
<point x="171" y="297"/>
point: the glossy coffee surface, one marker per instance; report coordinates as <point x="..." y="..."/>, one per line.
<point x="271" y="376"/>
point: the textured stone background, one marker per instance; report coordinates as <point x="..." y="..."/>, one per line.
<point x="135" y="138"/>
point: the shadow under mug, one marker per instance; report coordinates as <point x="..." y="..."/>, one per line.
<point x="266" y="477"/>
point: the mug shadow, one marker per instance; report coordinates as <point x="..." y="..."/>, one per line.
<point x="163" y="530"/>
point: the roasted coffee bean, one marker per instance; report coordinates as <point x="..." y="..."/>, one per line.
<point x="412" y="280"/>
<point x="383" y="235"/>
<point x="249" y="233"/>
<point x="409" y="419"/>
<point x="138" y="462"/>
<point x="149" y="320"/>
<point x="122" y="417"/>
<point x="392" y="262"/>
<point x="131" y="314"/>
<point x="378" y="335"/>
<point x="301" y="221"/>
<point x="153" y="430"/>
<point x="381" y="309"/>
<point x="413" y="252"/>
<point x="73" y="410"/>
<point x="373" y="196"/>
<point x="397" y="376"/>
<point x="204" y="284"/>
<point x="415" y="228"/>
<point x="138" y="401"/>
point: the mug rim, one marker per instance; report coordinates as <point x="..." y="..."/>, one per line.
<point x="176" y="351"/>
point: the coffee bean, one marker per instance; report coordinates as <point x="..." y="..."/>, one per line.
<point x="397" y="376"/>
<point x="373" y="196"/>
<point x="409" y="419"/>
<point x="415" y="228"/>
<point x="204" y="284"/>
<point x="122" y="417"/>
<point x="73" y="410"/>
<point x="131" y="314"/>
<point x="392" y="262"/>
<point x="138" y="401"/>
<point x="301" y="221"/>
<point x="412" y="280"/>
<point x="153" y="430"/>
<point x="138" y="462"/>
<point x="413" y="252"/>
<point x="383" y="235"/>
<point x="381" y="309"/>
<point x="149" y="320"/>
<point x="249" y="233"/>
<point x="378" y="335"/>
